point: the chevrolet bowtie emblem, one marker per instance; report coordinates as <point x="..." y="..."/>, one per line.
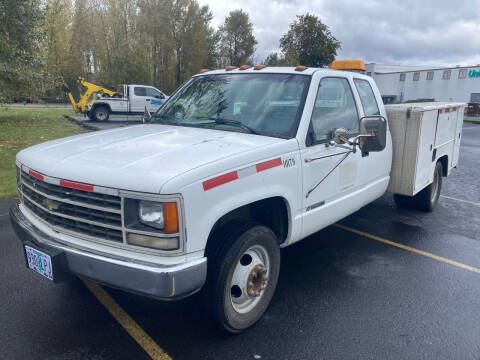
<point x="50" y="204"/>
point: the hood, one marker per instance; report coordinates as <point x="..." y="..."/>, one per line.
<point x="137" y="158"/>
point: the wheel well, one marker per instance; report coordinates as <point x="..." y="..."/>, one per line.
<point x="101" y="104"/>
<point x="271" y="212"/>
<point x="444" y="161"/>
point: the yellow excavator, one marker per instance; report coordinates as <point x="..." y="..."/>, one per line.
<point x="91" y="94"/>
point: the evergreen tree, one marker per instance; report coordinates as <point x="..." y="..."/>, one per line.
<point x="309" y="42"/>
<point x="237" y="40"/>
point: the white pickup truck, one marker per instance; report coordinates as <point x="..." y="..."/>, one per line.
<point x="128" y="100"/>
<point x="236" y="165"/>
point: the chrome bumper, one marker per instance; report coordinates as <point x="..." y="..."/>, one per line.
<point x="161" y="282"/>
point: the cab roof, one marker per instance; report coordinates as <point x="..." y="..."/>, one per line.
<point x="283" y="70"/>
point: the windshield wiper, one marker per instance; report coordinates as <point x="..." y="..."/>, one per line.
<point x="223" y="121"/>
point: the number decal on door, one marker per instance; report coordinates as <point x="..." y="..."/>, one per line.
<point x="288" y="162"/>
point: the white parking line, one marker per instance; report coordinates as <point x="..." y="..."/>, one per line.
<point x="461" y="200"/>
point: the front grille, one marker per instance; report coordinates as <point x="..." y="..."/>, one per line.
<point x="93" y="214"/>
<point x="85" y="197"/>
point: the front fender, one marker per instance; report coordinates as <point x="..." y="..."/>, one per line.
<point x="205" y="205"/>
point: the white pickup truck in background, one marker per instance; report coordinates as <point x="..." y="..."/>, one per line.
<point x="128" y="100"/>
<point x="236" y="165"/>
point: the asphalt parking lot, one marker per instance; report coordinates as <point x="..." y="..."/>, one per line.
<point x="385" y="283"/>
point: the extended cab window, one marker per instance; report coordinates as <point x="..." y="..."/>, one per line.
<point x="367" y="97"/>
<point x="265" y="104"/>
<point x="140" y="91"/>
<point x="334" y="108"/>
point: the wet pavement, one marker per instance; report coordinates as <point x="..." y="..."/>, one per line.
<point x="341" y="295"/>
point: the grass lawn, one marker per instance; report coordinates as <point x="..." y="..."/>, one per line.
<point x="23" y="127"/>
<point x="474" y="119"/>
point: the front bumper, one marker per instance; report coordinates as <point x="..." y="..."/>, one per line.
<point x="161" y="282"/>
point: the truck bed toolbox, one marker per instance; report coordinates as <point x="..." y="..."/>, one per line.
<point x="421" y="134"/>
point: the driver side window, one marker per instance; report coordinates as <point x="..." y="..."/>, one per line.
<point x="154" y="93"/>
<point x="334" y="108"/>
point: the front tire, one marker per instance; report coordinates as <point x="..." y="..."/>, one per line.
<point x="101" y="113"/>
<point x="244" y="277"/>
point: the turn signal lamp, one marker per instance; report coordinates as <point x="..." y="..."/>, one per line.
<point x="349" y="65"/>
<point x="170" y="213"/>
<point x="231" y="67"/>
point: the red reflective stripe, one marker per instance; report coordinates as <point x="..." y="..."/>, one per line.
<point x="75" y="185"/>
<point x="220" y="180"/>
<point x="268" y="164"/>
<point x="36" y="174"/>
<point x="447" y="110"/>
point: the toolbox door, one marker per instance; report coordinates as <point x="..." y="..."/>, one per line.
<point x="458" y="136"/>
<point x="426" y="145"/>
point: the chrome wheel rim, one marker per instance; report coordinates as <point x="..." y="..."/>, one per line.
<point x="250" y="279"/>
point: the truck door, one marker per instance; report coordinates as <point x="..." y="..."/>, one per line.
<point x="337" y="182"/>
<point x="157" y="98"/>
<point x="139" y="99"/>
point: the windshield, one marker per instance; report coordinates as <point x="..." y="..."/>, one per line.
<point x="266" y="104"/>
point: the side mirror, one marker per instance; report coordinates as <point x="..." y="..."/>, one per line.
<point x="373" y="133"/>
<point x="146" y="116"/>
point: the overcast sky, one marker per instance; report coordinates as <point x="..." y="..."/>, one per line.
<point x="406" y="32"/>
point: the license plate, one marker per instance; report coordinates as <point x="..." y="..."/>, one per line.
<point x="39" y="262"/>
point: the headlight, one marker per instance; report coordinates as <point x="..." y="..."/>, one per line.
<point x="152" y="224"/>
<point x="163" y="216"/>
<point x="151" y="213"/>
